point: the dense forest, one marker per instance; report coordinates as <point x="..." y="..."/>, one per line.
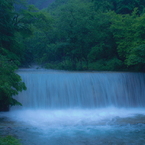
<point x="106" y="35"/>
<point x="90" y="35"/>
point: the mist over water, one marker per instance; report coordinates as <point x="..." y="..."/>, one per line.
<point x="79" y="108"/>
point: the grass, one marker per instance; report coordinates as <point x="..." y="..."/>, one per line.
<point x="9" y="140"/>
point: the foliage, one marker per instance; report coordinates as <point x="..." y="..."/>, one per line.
<point x="137" y="57"/>
<point x="90" y="34"/>
<point x="9" y="140"/>
<point x="15" y="27"/>
<point x="128" y="31"/>
<point x="10" y="83"/>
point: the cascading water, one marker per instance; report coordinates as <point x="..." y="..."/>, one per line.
<point x="79" y="108"/>
<point x="59" y="90"/>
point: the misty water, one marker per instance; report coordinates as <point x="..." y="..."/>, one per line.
<point x="78" y="108"/>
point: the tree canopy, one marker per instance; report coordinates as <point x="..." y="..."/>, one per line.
<point x="15" y="27"/>
<point x="92" y="35"/>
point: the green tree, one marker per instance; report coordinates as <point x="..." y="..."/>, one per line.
<point x="10" y="83"/>
<point x="36" y="45"/>
<point x="14" y="28"/>
<point x="73" y="21"/>
<point x="128" y="31"/>
<point x="137" y="54"/>
<point x="90" y="34"/>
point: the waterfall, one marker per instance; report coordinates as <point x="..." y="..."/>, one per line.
<point x="76" y="108"/>
<point x="60" y="89"/>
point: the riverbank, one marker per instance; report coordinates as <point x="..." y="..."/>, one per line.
<point x="9" y="140"/>
<point x="7" y="136"/>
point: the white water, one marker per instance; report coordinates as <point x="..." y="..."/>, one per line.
<point x="70" y="108"/>
<point x="109" y="126"/>
<point x="71" y="117"/>
<point x="59" y="90"/>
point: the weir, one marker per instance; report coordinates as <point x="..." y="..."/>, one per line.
<point x="62" y="89"/>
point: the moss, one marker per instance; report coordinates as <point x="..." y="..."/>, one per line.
<point x="9" y="140"/>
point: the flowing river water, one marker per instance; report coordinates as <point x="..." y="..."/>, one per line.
<point x="78" y="108"/>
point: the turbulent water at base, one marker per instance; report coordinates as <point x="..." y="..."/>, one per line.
<point x="82" y="90"/>
<point x="78" y="108"/>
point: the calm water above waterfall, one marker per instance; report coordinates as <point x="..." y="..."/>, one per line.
<point x="74" y="108"/>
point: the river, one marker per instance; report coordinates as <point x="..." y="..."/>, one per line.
<point x="78" y="108"/>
